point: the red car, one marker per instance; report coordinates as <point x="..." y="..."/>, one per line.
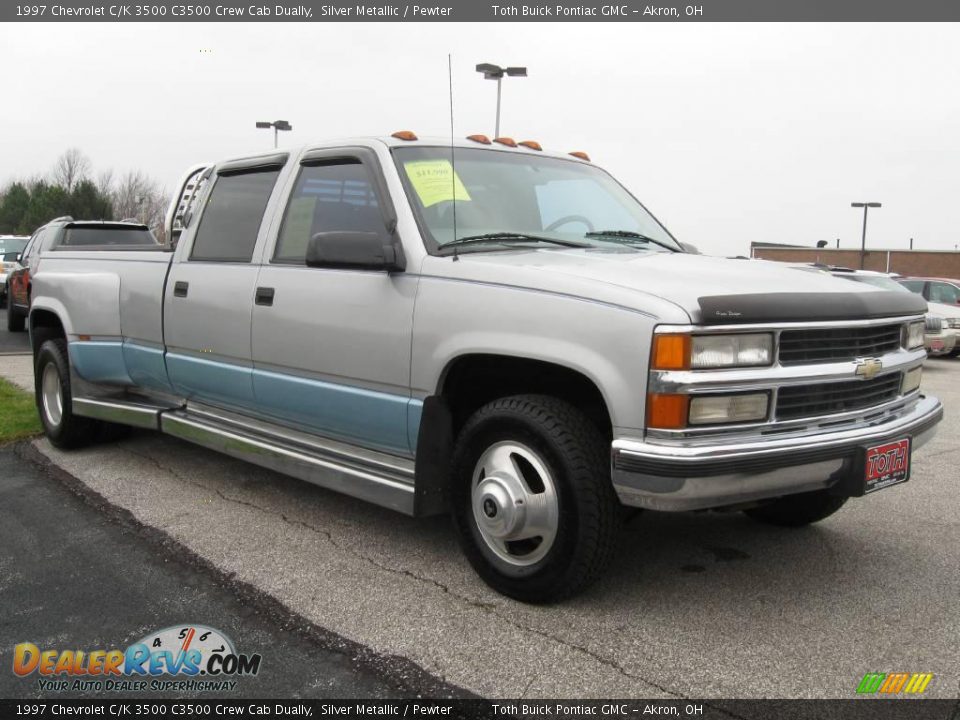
<point x="65" y="233"/>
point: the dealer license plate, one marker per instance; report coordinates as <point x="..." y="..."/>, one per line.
<point x="886" y="465"/>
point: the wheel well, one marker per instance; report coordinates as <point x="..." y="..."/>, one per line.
<point x="472" y="381"/>
<point x="44" y="325"/>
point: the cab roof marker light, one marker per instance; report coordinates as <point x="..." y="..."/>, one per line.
<point x="404" y="135"/>
<point x="482" y="139"/>
<point x="509" y="142"/>
<point x="580" y="154"/>
<point x="532" y="144"/>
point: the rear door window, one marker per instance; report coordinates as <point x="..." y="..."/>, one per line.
<point x="231" y="218"/>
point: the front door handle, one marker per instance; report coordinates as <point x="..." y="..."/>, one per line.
<point x="180" y="288"/>
<point x="264" y="296"/>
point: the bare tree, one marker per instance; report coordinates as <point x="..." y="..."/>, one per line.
<point x="105" y="182"/>
<point x="71" y="167"/>
<point x="137" y="196"/>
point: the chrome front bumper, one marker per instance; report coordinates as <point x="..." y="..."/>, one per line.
<point x="672" y="476"/>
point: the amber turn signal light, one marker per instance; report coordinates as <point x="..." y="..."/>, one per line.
<point x="666" y="412"/>
<point x="671" y="352"/>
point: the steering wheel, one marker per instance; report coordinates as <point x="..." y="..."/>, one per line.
<point x="570" y="219"/>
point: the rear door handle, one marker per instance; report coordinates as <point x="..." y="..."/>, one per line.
<point x="264" y="296"/>
<point x="180" y="288"/>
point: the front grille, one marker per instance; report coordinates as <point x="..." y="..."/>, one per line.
<point x="802" y="401"/>
<point x="804" y="347"/>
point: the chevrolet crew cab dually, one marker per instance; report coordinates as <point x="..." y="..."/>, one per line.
<point x="488" y="329"/>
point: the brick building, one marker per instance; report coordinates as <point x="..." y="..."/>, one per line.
<point x="934" y="263"/>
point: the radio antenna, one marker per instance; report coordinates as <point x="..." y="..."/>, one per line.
<point x="453" y="161"/>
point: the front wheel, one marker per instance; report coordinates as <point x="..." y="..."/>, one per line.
<point x="532" y="498"/>
<point x="798" y="510"/>
<point x="54" y="400"/>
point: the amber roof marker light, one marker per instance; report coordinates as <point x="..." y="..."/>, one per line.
<point x="483" y="139"/>
<point x="580" y="154"/>
<point x="404" y="135"/>
<point x="509" y="142"/>
<point x="532" y="144"/>
<point x="495" y="72"/>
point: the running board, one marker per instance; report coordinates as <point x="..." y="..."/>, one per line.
<point x="125" y="411"/>
<point x="389" y="487"/>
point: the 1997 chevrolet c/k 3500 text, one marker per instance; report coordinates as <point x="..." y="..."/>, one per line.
<point x="511" y="337"/>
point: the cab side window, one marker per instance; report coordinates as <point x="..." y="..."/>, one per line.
<point x="328" y="197"/>
<point x="231" y="218"/>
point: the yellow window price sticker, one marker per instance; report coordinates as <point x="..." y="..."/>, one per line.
<point x="435" y="181"/>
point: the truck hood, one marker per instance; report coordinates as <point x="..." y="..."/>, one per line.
<point x="710" y="290"/>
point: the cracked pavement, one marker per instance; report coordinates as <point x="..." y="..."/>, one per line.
<point x="694" y="605"/>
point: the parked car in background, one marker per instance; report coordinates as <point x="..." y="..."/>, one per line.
<point x="10" y="248"/>
<point x="943" y="298"/>
<point x="63" y="235"/>
<point x="517" y="341"/>
<point x="940" y="334"/>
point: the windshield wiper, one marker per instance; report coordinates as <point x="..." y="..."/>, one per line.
<point x="511" y="237"/>
<point x="628" y="235"/>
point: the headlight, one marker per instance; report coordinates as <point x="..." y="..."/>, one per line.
<point x="728" y="409"/>
<point x="697" y="352"/>
<point x="911" y="380"/>
<point x="913" y="335"/>
<point x="953" y="323"/>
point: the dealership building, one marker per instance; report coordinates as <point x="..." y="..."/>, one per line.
<point x="924" y="263"/>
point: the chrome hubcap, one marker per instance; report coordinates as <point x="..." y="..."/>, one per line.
<point x="514" y="500"/>
<point x="51" y="395"/>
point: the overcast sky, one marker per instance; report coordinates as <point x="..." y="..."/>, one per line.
<point x="728" y="133"/>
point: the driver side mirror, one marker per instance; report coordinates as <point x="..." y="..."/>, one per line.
<point x="351" y="250"/>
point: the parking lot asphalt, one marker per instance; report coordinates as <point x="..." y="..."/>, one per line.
<point x="12" y="342"/>
<point x="694" y="605"/>
<point x="74" y="576"/>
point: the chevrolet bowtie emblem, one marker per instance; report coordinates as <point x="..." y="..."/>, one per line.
<point x="868" y="368"/>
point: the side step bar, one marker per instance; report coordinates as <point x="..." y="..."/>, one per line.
<point x="329" y="465"/>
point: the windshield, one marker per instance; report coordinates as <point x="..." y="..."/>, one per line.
<point x="503" y="193"/>
<point x="877" y="281"/>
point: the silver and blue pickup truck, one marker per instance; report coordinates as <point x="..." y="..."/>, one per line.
<point x="487" y="329"/>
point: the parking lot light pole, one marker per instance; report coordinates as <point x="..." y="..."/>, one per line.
<point x="276" y="125"/>
<point x="495" y="72"/>
<point x="863" y="240"/>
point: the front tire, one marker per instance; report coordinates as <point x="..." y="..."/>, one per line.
<point x="532" y="498"/>
<point x="54" y="399"/>
<point x="798" y="510"/>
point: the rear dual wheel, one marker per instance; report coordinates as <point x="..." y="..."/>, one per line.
<point x="54" y="399"/>
<point x="532" y="498"/>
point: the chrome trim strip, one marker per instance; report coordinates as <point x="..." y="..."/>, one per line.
<point x="340" y="475"/>
<point x="125" y="412"/>
<point x="753" y="327"/>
